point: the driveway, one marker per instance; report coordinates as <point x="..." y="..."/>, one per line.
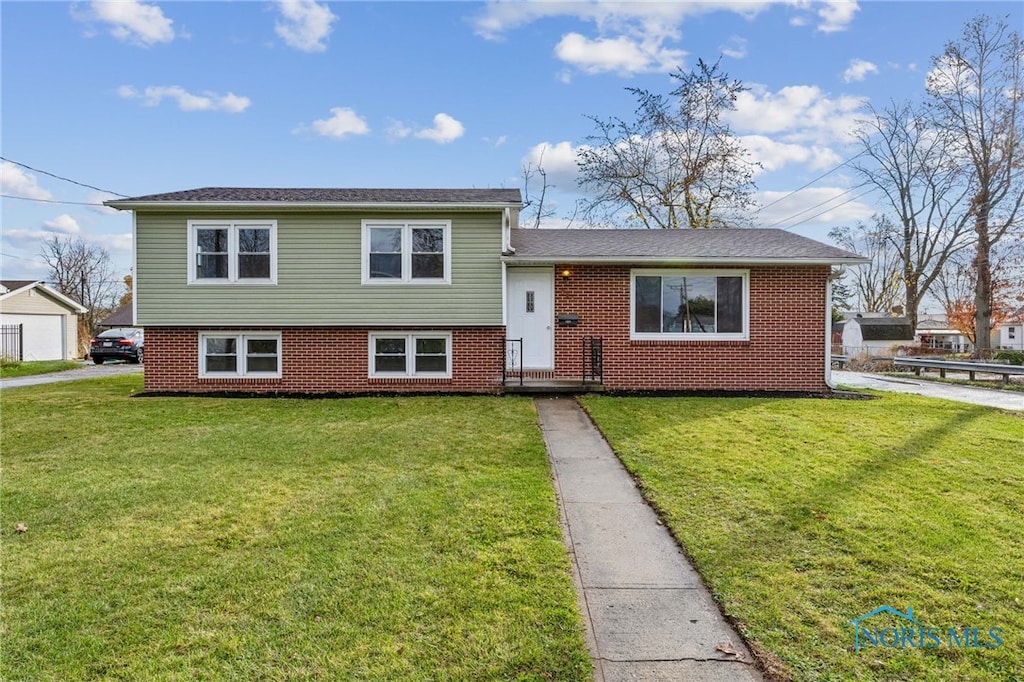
<point x="1007" y="400"/>
<point x="89" y="371"/>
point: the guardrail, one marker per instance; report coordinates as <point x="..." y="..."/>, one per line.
<point x="972" y="368"/>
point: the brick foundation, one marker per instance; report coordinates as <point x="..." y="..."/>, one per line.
<point x="323" y="360"/>
<point x="785" y="351"/>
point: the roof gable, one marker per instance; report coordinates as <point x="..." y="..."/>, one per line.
<point x="52" y="294"/>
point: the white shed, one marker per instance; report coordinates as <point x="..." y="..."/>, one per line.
<point x="876" y="336"/>
<point x="47" y="318"/>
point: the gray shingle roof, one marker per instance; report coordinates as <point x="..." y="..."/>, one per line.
<point x="330" y="195"/>
<point x="122" y="317"/>
<point x="884" y="328"/>
<point x="718" y="245"/>
<point x="15" y="284"/>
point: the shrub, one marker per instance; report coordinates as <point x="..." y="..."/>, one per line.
<point x="1010" y="357"/>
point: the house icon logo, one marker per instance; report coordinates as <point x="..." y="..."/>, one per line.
<point x="856" y="622"/>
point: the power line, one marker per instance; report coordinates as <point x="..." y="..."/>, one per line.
<point x="819" y="204"/>
<point x="820" y="177"/>
<point x="55" y="201"/>
<point x="830" y="208"/>
<point x="60" y="177"/>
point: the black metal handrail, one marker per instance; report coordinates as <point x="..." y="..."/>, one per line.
<point x="509" y="355"/>
<point x="593" y="359"/>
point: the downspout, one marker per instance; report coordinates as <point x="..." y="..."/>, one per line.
<point x="828" y="325"/>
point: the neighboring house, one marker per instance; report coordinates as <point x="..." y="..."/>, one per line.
<point x="1009" y="334"/>
<point x="121" y="317"/>
<point x="876" y="336"/>
<point x="48" y="319"/>
<point x="934" y="332"/>
<point x="361" y="290"/>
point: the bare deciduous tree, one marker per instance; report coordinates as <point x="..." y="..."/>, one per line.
<point x="876" y="285"/>
<point x="910" y="161"/>
<point x="677" y="165"/>
<point x="82" y="272"/>
<point x="535" y="209"/>
<point x="977" y="94"/>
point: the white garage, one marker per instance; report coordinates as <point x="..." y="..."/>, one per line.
<point x="48" y="320"/>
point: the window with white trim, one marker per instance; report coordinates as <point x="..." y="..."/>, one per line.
<point x="232" y="252"/>
<point x="406" y="252"/>
<point x="690" y="304"/>
<point x="410" y="355"/>
<point x="247" y="354"/>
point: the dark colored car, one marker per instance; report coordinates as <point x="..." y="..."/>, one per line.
<point x="118" y="344"/>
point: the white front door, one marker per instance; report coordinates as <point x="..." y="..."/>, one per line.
<point x="530" y="316"/>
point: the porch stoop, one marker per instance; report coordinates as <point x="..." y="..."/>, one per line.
<point x="552" y="386"/>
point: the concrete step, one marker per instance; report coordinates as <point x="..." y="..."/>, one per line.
<point x="552" y="386"/>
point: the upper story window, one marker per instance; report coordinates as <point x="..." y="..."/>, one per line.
<point x="690" y="304"/>
<point x="239" y="252"/>
<point x="416" y="252"/>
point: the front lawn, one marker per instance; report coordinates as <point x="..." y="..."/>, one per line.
<point x="272" y="539"/>
<point x="803" y="515"/>
<point x="10" y="369"/>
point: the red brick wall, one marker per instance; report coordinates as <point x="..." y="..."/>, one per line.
<point x="323" y="360"/>
<point x="785" y="351"/>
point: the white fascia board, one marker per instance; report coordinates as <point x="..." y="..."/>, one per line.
<point x="302" y="205"/>
<point x="51" y="293"/>
<point x="630" y="260"/>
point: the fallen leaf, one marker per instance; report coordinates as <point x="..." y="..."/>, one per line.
<point x="21" y="528"/>
<point x="728" y="648"/>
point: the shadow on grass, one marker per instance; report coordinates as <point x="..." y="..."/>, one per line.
<point x="777" y="533"/>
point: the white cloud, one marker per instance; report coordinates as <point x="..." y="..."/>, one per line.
<point x="63" y="223"/>
<point x="623" y="55"/>
<point x="858" y="70"/>
<point x="631" y="36"/>
<point x="398" y="131"/>
<point x="121" y="243"/>
<point x="305" y="25"/>
<point x="446" y="129"/>
<point x="816" y="205"/>
<point x="343" y="121"/>
<point x="130" y="21"/>
<point x="187" y="101"/>
<point x="654" y="18"/>
<point x="16" y="182"/>
<point x="773" y="154"/>
<point x="97" y="198"/>
<point x="558" y="161"/>
<point x="735" y="48"/>
<point x="836" y="15"/>
<point x="797" y="113"/>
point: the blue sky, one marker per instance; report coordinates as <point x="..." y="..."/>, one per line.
<point x="143" y="97"/>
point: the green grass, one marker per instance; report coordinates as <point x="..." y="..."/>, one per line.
<point x="805" y="514"/>
<point x="10" y="369"/>
<point x="273" y="539"/>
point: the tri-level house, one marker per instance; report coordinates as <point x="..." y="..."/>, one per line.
<point x="404" y="290"/>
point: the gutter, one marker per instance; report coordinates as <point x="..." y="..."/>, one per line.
<point x="679" y="260"/>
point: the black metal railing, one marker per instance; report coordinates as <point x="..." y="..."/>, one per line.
<point x="11" y="336"/>
<point x="511" y="360"/>
<point x="593" y="359"/>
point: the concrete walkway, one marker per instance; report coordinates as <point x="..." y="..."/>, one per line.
<point x="85" y="372"/>
<point x="648" y="615"/>
<point x="1007" y="400"/>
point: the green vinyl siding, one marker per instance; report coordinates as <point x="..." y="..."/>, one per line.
<point x="318" y="275"/>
